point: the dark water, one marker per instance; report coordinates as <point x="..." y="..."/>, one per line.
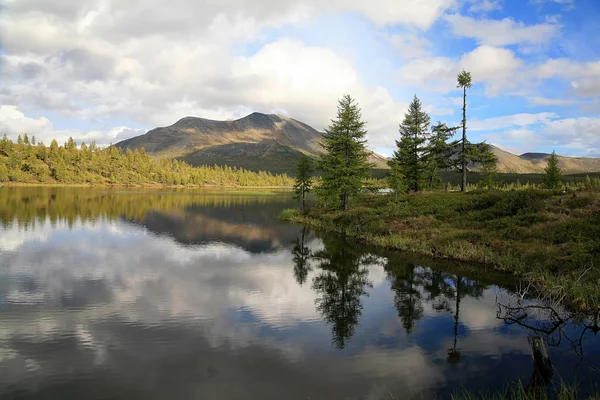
<point x="206" y="295"/>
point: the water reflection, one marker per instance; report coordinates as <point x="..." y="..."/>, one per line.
<point x="110" y="294"/>
<point x="340" y="283"/>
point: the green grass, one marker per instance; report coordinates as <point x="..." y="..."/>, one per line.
<point x="548" y="238"/>
<point x="517" y="391"/>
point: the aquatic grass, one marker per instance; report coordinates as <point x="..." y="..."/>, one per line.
<point x="517" y="391"/>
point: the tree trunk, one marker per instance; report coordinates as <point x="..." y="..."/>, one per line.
<point x="542" y="367"/>
<point x="463" y="186"/>
<point x="345" y="199"/>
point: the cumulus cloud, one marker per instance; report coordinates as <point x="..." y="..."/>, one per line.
<point x="180" y="62"/>
<point x="497" y="68"/>
<point x="501" y="32"/>
<point x="484" y="5"/>
<point x="14" y="122"/>
<point x="92" y="62"/>
<point x="579" y="135"/>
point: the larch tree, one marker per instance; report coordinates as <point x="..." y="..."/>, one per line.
<point x="303" y="183"/>
<point x="464" y="83"/>
<point x="439" y="152"/>
<point x="553" y="177"/>
<point x="410" y="157"/>
<point x="344" y="164"/>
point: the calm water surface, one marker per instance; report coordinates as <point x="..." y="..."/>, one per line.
<point x="206" y="295"/>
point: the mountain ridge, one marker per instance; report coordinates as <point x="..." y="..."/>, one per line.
<point x="274" y="142"/>
<point x="257" y="142"/>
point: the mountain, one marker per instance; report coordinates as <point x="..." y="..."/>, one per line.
<point x="531" y="163"/>
<point x="256" y="142"/>
<point x="271" y="142"/>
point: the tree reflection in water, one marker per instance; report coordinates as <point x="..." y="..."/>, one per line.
<point x="340" y="284"/>
<point x="301" y="257"/>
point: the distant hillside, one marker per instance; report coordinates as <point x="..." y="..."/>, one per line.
<point x="531" y="163"/>
<point x="255" y="142"/>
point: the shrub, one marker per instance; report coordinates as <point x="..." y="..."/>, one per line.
<point x="579" y="202"/>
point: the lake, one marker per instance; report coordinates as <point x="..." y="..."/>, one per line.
<point x="180" y="294"/>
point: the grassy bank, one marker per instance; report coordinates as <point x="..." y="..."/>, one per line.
<point x="550" y="239"/>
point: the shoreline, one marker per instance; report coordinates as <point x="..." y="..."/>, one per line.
<point x="138" y="186"/>
<point x="554" y="270"/>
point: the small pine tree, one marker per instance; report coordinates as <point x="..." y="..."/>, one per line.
<point x="345" y="163"/>
<point x="553" y="178"/>
<point x="303" y="184"/>
<point x="410" y="156"/>
<point x="439" y="152"/>
<point x="396" y="180"/>
<point x="588" y="183"/>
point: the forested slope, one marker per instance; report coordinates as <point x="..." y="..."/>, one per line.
<point x="27" y="162"/>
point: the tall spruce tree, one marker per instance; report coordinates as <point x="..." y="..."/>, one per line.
<point x="345" y="163"/>
<point x="553" y="178"/>
<point x="410" y="157"/>
<point x="303" y="183"/>
<point x="464" y="83"/>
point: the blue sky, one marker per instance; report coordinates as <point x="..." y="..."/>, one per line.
<point x="86" y="71"/>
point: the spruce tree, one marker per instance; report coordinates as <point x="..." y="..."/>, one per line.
<point x="464" y="83"/>
<point x="303" y="183"/>
<point x="345" y="163"/>
<point x="553" y="178"/>
<point x="410" y="156"/>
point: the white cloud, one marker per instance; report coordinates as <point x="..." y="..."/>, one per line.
<point x="86" y="61"/>
<point x="14" y="122"/>
<point x="581" y="135"/>
<point x="101" y="66"/>
<point x="484" y="5"/>
<point x="511" y="121"/>
<point x="545" y="101"/>
<point x="584" y="76"/>
<point x="498" y="68"/>
<point x="501" y="32"/>
<point x="410" y="45"/>
<point x="568" y="4"/>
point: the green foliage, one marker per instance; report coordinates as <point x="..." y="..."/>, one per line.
<point x="67" y="164"/>
<point x="576" y="202"/>
<point x="553" y="178"/>
<point x="481" y="153"/>
<point x="396" y="180"/>
<point x="439" y="152"/>
<point x="344" y="165"/>
<point x="303" y="183"/>
<point x="410" y="157"/>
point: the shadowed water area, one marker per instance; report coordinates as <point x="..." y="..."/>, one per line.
<point x="153" y="294"/>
